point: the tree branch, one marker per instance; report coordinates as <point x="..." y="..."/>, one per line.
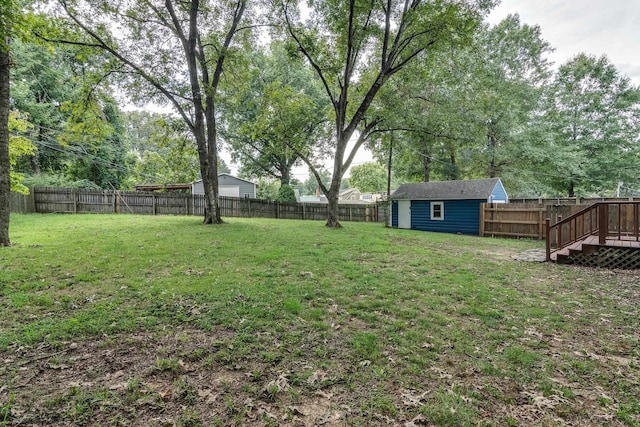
<point x="101" y="44"/>
<point x="307" y="55"/>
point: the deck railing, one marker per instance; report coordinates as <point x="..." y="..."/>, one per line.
<point x="607" y="220"/>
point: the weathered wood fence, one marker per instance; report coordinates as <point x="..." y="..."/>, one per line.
<point x="515" y="219"/>
<point x="67" y="200"/>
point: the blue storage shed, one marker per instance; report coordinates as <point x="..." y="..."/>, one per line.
<point x="444" y="206"/>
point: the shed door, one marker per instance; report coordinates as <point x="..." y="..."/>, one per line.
<point x="404" y="214"/>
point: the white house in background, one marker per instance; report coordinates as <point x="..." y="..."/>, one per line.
<point x="229" y="186"/>
<point x="354" y="195"/>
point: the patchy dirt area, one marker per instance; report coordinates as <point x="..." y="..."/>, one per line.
<point x="153" y="380"/>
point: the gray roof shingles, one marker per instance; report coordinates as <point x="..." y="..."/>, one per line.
<point x="471" y="189"/>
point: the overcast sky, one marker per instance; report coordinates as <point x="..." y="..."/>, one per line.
<point x="597" y="27"/>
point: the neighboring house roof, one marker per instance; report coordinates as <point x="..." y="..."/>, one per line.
<point x="312" y="199"/>
<point x="472" y="189"/>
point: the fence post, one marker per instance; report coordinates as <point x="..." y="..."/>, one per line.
<point x="153" y="202"/>
<point x="548" y="243"/>
<point x="482" y="216"/>
<point x="31" y="201"/>
<point x="74" y="193"/>
<point x="303" y="211"/>
<point x="541" y="221"/>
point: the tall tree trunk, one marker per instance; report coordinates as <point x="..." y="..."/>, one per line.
<point x="209" y="179"/>
<point x="5" y="178"/>
<point x="333" y="208"/>
<point x="389" y="166"/>
<point x="336" y="180"/>
<point x="213" y="206"/>
<point x="453" y="166"/>
<point x="493" y="144"/>
<point x="285" y="176"/>
<point x="572" y="189"/>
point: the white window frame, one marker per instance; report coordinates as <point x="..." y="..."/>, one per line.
<point x="433" y="205"/>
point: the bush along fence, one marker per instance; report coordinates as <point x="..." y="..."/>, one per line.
<point x="67" y="200"/>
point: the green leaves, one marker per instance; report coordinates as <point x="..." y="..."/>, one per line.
<point x="273" y="113"/>
<point x="368" y="177"/>
<point x="164" y="149"/>
<point x="592" y="114"/>
<point x="19" y="145"/>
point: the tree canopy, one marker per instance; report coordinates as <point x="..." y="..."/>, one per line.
<point x="368" y="177"/>
<point x="592" y="116"/>
<point x="273" y="110"/>
<point x="356" y="47"/>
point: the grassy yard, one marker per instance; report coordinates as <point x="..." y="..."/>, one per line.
<point x="161" y="321"/>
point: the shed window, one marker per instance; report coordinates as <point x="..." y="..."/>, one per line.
<point x="437" y="211"/>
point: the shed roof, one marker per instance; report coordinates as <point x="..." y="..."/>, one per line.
<point x="472" y="189"/>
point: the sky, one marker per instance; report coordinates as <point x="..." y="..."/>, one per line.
<point x="596" y="27"/>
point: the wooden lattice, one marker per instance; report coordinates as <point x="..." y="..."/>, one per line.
<point x="607" y="257"/>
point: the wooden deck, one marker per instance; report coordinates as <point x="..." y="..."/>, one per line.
<point x="605" y="234"/>
<point x="593" y="241"/>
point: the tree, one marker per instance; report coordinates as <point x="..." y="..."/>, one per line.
<point x="466" y="112"/>
<point x="286" y="193"/>
<point x="94" y="136"/>
<point x="8" y="12"/>
<point x="509" y="73"/>
<point x="592" y="120"/>
<point x="164" y="148"/>
<point x="267" y="189"/>
<point x="310" y="185"/>
<point x="44" y="87"/>
<point x="427" y="119"/>
<point x="18" y="146"/>
<point x="356" y="47"/>
<point x="77" y="127"/>
<point x="370" y="177"/>
<point x="275" y="104"/>
<point x="152" y="46"/>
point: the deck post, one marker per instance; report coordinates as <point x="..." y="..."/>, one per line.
<point x="603" y="222"/>
<point x="635" y="220"/>
<point x="559" y="232"/>
<point x="548" y="242"/>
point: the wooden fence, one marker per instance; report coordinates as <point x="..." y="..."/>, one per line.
<point x="68" y="200"/>
<point x="571" y="200"/>
<point x="501" y="220"/>
<point x="521" y="219"/>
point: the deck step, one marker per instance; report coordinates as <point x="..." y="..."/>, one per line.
<point x="590" y="253"/>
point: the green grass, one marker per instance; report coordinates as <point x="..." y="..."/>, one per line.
<point x="239" y="323"/>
